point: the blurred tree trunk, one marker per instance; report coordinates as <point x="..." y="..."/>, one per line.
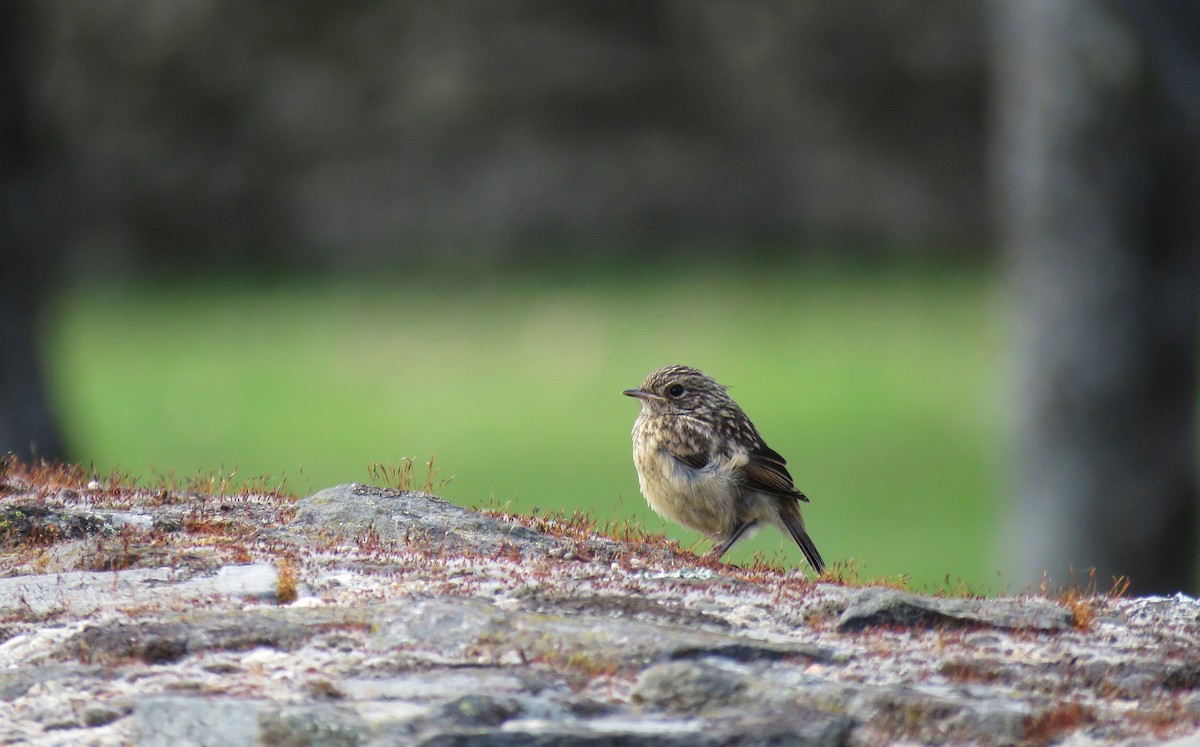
<point x="27" y="425"/>
<point x="1098" y="186"/>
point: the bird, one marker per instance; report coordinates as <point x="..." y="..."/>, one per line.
<point x="701" y="463"/>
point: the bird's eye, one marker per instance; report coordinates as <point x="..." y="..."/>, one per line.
<point x="675" y="391"/>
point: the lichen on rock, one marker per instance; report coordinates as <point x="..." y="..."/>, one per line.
<point x="413" y="620"/>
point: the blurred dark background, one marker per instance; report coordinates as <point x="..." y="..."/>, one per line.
<point x="1054" y="140"/>
<point x="348" y="136"/>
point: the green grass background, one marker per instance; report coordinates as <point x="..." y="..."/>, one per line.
<point x="883" y="390"/>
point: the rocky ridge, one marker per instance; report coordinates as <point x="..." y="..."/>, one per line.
<point x="364" y="616"/>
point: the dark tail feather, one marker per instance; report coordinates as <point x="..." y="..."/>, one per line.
<point x="789" y="512"/>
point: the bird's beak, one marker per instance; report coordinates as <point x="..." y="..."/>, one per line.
<point x="641" y="394"/>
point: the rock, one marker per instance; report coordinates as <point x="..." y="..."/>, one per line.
<point x="761" y="652"/>
<point x="477" y="629"/>
<point x="799" y="728"/>
<point x="936" y="713"/>
<point x="1190" y="740"/>
<point x="163" y="642"/>
<point x="481" y="710"/>
<point x="425" y="623"/>
<point x="688" y="687"/>
<point x="395" y="516"/>
<point x="315" y="726"/>
<point x="444" y="684"/>
<point x="15" y="683"/>
<point x="101" y="714"/>
<point x="254" y="581"/>
<point x="39" y="524"/>
<point x="174" y="721"/>
<point x="196" y="722"/>
<point x="43" y="593"/>
<point x="875" y="606"/>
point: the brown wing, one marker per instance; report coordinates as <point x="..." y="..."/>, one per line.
<point x="767" y="472"/>
<point x="691" y="445"/>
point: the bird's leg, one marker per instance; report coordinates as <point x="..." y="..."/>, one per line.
<point x="733" y="537"/>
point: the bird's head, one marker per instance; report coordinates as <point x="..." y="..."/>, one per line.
<point x="680" y="390"/>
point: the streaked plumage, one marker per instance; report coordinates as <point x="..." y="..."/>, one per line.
<point x="702" y="463"/>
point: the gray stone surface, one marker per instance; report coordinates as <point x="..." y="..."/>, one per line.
<point x="689" y="686"/>
<point x="196" y="722"/>
<point x="356" y="511"/>
<point x="88" y="590"/>
<point x="417" y="622"/>
<point x="871" y="607"/>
